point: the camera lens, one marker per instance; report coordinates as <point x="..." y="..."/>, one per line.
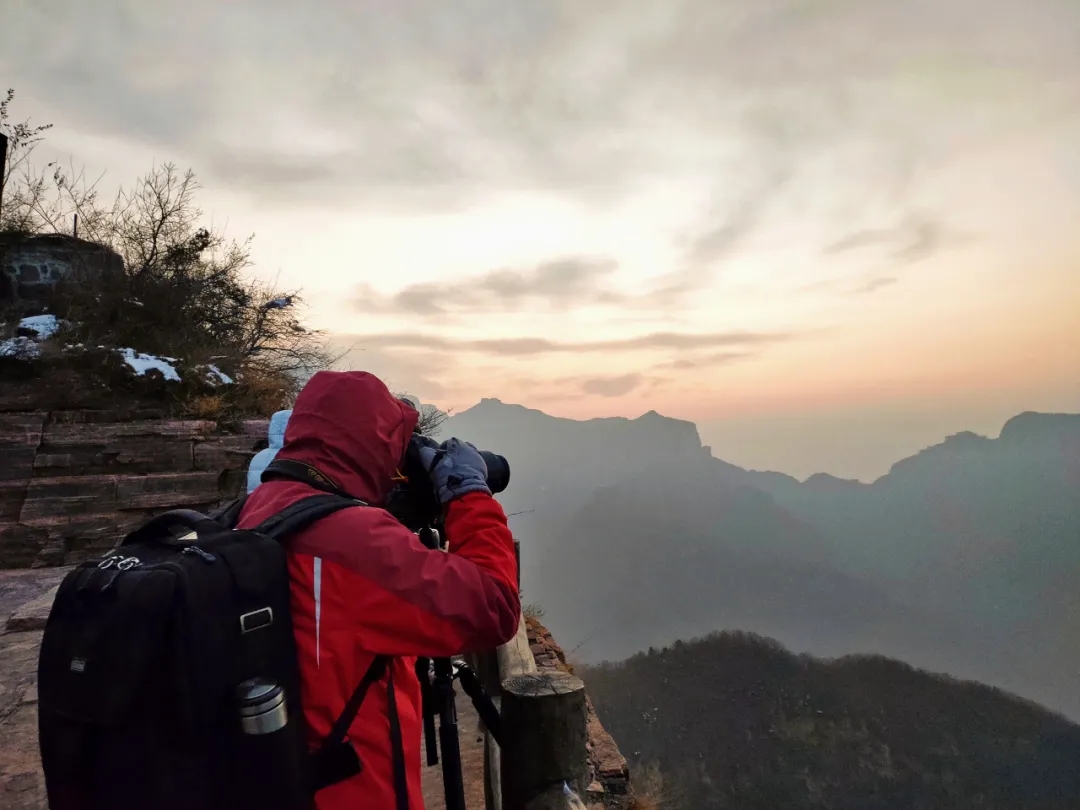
<point x="498" y="471"/>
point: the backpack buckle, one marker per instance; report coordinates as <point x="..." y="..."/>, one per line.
<point x="119" y="561"/>
<point x="256" y="620"/>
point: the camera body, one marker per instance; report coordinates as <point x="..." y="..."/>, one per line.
<point x="413" y="501"/>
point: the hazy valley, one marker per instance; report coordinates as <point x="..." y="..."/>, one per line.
<point x="961" y="560"/>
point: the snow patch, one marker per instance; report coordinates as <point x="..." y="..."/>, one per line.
<point x="41" y="325"/>
<point x="26" y="346"/>
<point x="218" y="377"/>
<point x="22" y="347"/>
<point x="143" y="363"/>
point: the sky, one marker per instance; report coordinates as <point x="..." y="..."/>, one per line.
<point x="829" y="232"/>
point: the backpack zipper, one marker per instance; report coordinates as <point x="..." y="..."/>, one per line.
<point x="206" y="555"/>
<point x="122" y="563"/>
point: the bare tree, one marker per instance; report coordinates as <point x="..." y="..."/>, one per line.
<point x="185" y="288"/>
<point x="431" y="418"/>
<point x="39" y="200"/>
<point x="20" y="188"/>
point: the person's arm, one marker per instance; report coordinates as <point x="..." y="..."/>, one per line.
<point x="408" y="600"/>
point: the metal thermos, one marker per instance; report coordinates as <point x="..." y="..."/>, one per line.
<point x="262" y="706"/>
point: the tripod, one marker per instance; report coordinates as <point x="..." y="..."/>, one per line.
<point x="437" y="676"/>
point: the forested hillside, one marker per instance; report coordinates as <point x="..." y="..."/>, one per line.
<point x="736" y="721"/>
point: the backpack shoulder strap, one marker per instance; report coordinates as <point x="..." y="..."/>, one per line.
<point x="326" y="763"/>
<point x="295" y="518"/>
<point x="341" y="726"/>
<point x="228" y="514"/>
<point x="298" y="516"/>
<point x="335" y="759"/>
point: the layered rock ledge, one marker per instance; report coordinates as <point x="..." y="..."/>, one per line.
<point x="72" y="483"/>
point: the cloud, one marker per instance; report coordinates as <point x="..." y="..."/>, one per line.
<point x="559" y="284"/>
<point x="271" y="170"/>
<point x="717" y="242"/>
<point x="429" y="373"/>
<point x="875" y="284"/>
<point x="437" y="367"/>
<point x="415" y="104"/>
<point x="730" y="221"/>
<point x="535" y="346"/>
<point x="862" y="284"/>
<point x="703" y="361"/>
<point x="914" y="239"/>
<point x="613" y="386"/>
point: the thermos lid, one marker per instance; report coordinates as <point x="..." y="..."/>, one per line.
<point x="259" y="695"/>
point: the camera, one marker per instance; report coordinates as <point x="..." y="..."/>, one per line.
<point x="413" y="501"/>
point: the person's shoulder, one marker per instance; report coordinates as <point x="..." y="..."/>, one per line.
<point x="261" y="458"/>
<point x="350" y="531"/>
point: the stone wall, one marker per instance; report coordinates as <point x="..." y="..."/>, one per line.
<point x="610" y="777"/>
<point x="72" y="483"/>
<point x="30" y="265"/>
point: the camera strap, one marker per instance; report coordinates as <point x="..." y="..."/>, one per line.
<point x="305" y="474"/>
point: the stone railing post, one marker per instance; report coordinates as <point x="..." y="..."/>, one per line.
<point x="544" y="721"/>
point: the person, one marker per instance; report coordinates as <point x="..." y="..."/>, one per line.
<point x="275" y="436"/>
<point x="364" y="585"/>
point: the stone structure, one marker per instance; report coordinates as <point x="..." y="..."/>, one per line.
<point x="72" y="483"/>
<point x="610" y="787"/>
<point x="31" y="265"/>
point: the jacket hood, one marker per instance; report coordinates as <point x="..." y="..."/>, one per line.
<point x="348" y="426"/>
<point x="276" y="433"/>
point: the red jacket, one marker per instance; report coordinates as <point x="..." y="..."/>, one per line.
<point x="364" y="585"/>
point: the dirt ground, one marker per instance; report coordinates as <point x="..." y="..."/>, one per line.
<point x="471" y="740"/>
<point x="21" y="784"/>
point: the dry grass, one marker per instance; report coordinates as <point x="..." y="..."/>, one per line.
<point x="263" y="391"/>
<point x="644" y="803"/>
<point x="649" y="790"/>
<point x="210" y="406"/>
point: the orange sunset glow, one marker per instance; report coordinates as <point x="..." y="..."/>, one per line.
<point x="848" y="217"/>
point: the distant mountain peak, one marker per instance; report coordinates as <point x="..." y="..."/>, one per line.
<point x="1032" y="425"/>
<point x="825" y="482"/>
<point x="966" y="437"/>
<point x="649" y="417"/>
<point x="493" y="404"/>
<point x="649" y="435"/>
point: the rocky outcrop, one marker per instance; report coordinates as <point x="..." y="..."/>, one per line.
<point x="31" y="265"/>
<point x="610" y="783"/>
<point x="72" y="483"/>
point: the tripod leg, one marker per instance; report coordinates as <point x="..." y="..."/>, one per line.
<point x="427" y="696"/>
<point x="453" y="782"/>
<point x="453" y="785"/>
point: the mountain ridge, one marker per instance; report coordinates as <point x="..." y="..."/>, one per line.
<point x="1025" y="425"/>
<point x="958" y="559"/>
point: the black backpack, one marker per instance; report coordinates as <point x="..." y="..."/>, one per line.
<point x="168" y="676"/>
